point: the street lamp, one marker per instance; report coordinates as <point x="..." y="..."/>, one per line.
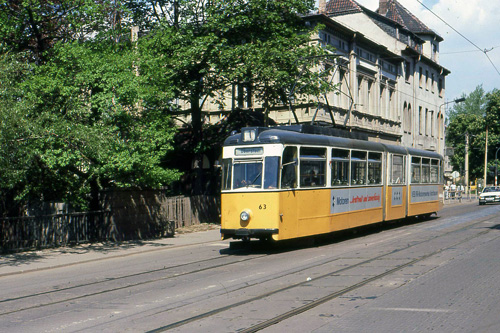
<point x="457" y="100"/>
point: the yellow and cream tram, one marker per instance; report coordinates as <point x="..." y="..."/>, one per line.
<point x="284" y="182"/>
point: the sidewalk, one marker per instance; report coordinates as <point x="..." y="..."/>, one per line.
<point x="17" y="263"/>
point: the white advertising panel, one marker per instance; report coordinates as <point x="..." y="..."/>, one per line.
<point x="348" y="200"/>
<point x="423" y="193"/>
<point x="397" y="196"/>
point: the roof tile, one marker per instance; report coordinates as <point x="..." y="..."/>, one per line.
<point x="338" y="7"/>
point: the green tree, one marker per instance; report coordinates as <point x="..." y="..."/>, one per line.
<point x="492" y="120"/>
<point x="89" y="126"/>
<point x="474" y="126"/>
<point x="479" y="111"/>
<point x="261" y="47"/>
<point x="35" y="26"/>
<point x="15" y="128"/>
<point x="475" y="103"/>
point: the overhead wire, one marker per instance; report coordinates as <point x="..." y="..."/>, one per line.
<point x="485" y="51"/>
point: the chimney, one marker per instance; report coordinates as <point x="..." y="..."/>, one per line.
<point x="383" y="7"/>
<point x="322" y="7"/>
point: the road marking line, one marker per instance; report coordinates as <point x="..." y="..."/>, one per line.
<point x="413" y="310"/>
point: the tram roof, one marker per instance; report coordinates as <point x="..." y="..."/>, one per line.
<point x="316" y="136"/>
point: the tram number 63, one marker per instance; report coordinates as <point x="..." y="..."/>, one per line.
<point x="262" y="206"/>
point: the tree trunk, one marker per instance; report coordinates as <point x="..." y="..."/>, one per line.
<point x="197" y="125"/>
<point x="94" y="206"/>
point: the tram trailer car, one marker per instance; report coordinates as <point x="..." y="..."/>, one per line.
<point x="284" y="182"/>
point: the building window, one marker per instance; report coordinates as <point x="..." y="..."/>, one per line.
<point x="440" y="87"/>
<point x="369" y="97"/>
<point x="391" y="103"/>
<point x="432" y="82"/>
<point x="406" y="123"/>
<point x="420" y="125"/>
<point x="365" y="55"/>
<point x="360" y="105"/>
<point x="343" y="96"/>
<point x="409" y="118"/>
<point x="432" y="124"/>
<point x="420" y="76"/>
<point x="426" y="122"/>
<point x="407" y="71"/>
<point x="426" y="80"/>
<point x="388" y="66"/>
<point x="383" y="107"/>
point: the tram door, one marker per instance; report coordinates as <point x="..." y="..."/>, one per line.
<point x="396" y="200"/>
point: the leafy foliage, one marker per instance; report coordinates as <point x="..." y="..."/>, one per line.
<point x="243" y="52"/>
<point x="475" y="103"/>
<point x="478" y="112"/>
<point x="84" y="107"/>
<point x="88" y="126"/>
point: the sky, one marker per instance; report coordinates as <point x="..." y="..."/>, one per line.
<point x="478" y="21"/>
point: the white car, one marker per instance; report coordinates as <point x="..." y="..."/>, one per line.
<point x="489" y="194"/>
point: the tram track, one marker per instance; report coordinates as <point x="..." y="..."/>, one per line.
<point x="214" y="264"/>
<point x="51" y="293"/>
<point x="336" y="294"/>
<point x="353" y="287"/>
<point x="112" y="257"/>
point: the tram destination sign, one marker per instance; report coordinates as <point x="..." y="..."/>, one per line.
<point x="249" y="151"/>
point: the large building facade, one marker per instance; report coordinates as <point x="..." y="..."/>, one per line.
<point x="389" y="83"/>
<point x="392" y="62"/>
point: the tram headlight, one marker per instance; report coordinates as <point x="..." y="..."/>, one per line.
<point x="245" y="216"/>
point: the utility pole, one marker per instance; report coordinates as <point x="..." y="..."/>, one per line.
<point x="486" y="157"/>
<point x="496" y="166"/>
<point x="466" y="163"/>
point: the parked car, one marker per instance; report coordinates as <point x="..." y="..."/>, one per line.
<point x="489" y="194"/>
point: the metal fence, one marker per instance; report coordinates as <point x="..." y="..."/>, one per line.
<point x="451" y="196"/>
<point x="37" y="232"/>
<point x="127" y="215"/>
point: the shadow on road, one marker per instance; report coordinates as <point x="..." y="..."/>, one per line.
<point x="274" y="247"/>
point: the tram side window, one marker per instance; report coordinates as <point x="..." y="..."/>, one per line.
<point x="271" y="173"/>
<point x="312" y="167"/>
<point x="426" y="170"/>
<point x="226" y="173"/>
<point x="374" y="168"/>
<point x="434" y="171"/>
<point x="340" y="167"/>
<point x="415" y="170"/>
<point x="441" y="172"/>
<point x="398" y="169"/>
<point x="358" y="168"/>
<point x="289" y="168"/>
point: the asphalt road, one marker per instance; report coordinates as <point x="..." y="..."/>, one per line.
<point x="436" y="275"/>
